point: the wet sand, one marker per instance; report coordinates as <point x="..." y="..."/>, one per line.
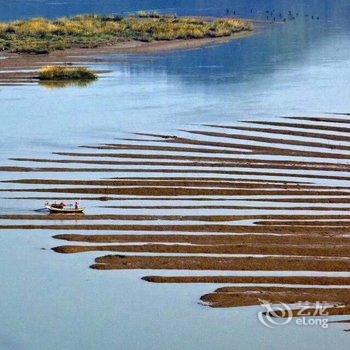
<point x="301" y="239"/>
<point x="305" y="200"/>
<point x="282" y="249"/>
<point x="291" y="133"/>
<point x="210" y="162"/>
<point x="270" y="140"/>
<point x="125" y="262"/>
<point x="205" y="228"/>
<point x="279" y="219"/>
<point x="279" y="172"/>
<point x="324" y="281"/>
<point x="158" y="171"/>
<point x="193" y="183"/>
<point x="238" y="296"/>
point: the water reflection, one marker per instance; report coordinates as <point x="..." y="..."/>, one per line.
<point x="58" y="84"/>
<point x="272" y="48"/>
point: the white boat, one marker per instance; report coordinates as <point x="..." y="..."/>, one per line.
<point x="67" y="209"/>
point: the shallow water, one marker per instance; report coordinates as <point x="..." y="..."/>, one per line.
<point x="301" y="67"/>
<point x="53" y="301"/>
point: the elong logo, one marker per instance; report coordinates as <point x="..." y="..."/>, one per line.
<point x="302" y="313"/>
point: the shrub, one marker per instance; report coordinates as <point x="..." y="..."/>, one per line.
<point x="35" y="27"/>
<point x="2" y="45"/>
<point x="66" y="73"/>
<point x="30" y="46"/>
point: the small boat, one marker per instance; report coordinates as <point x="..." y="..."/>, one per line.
<point x="63" y="208"/>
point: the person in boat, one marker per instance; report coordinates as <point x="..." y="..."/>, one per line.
<point x="58" y="206"/>
<point x="76" y="206"/>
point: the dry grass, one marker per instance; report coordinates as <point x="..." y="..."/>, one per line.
<point x="42" y="36"/>
<point x="66" y="73"/>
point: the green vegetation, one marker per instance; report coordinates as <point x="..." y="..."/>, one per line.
<point x="43" y="36"/>
<point x="62" y="73"/>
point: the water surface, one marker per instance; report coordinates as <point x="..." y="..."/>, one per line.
<point x="54" y="301"/>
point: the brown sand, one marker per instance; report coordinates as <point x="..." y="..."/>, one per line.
<point x="268" y="162"/>
<point x="179" y="191"/>
<point x="282" y="249"/>
<point x="292" y="240"/>
<point x="280" y="219"/>
<point x="201" y="161"/>
<point x="123" y="262"/>
<point x="287" y="132"/>
<point x="250" y="279"/>
<point x="212" y="228"/>
<point x="307" y="200"/>
<point x="243" y="296"/>
<point x="266" y="149"/>
<point x="155" y="148"/>
<point x="303" y="126"/>
<point x="322" y="119"/>
<point x="305" y="223"/>
<point x="175" y="183"/>
<point x="271" y="140"/>
<point x="171" y="171"/>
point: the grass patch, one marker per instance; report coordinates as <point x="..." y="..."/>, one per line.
<point x="62" y="73"/>
<point x="40" y="35"/>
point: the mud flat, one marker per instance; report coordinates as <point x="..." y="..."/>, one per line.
<point x="124" y="262"/>
<point x="217" y="239"/>
<point x="279" y="218"/>
<point x="212" y="228"/>
<point x="140" y="230"/>
<point x="180" y="191"/>
<point x="202" y="162"/>
<point x="301" y="251"/>
<point x="324" y="281"/>
<point x="243" y="296"/>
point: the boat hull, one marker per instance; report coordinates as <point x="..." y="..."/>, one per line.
<point x="65" y="210"/>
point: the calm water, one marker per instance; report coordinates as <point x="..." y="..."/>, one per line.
<point x="52" y="301"/>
